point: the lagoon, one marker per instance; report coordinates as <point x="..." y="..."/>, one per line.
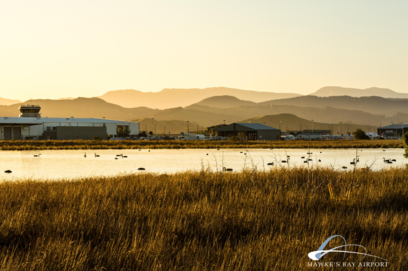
<point x="71" y="164"/>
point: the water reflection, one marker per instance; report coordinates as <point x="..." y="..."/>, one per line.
<point x="73" y="163"/>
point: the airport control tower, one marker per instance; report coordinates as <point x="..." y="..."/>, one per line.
<point x="30" y="111"/>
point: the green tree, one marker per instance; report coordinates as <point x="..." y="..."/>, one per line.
<point x="360" y="135"/>
<point x="151" y="133"/>
<point x="405" y="140"/>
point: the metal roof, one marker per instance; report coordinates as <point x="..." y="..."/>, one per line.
<point x="36" y="121"/>
<point x="257" y="126"/>
<point x="394" y="126"/>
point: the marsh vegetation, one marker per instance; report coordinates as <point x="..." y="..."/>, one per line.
<point x="204" y="220"/>
<point x="22" y="145"/>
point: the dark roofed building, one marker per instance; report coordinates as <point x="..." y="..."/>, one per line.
<point x="249" y="131"/>
<point x="393" y="130"/>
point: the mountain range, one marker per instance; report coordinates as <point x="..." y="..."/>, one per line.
<point x="168" y="98"/>
<point x="299" y="110"/>
<point x="373" y="105"/>
<point x="356" y="92"/>
<point x="204" y="115"/>
<point x="291" y="122"/>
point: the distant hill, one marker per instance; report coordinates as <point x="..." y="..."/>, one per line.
<point x="169" y="98"/>
<point x="290" y="122"/>
<point x="4" y="101"/>
<point x="224" y="102"/>
<point x="207" y="116"/>
<point x="373" y="105"/>
<point x="228" y="106"/>
<point x="355" y="92"/>
<point x="80" y="108"/>
<point x="166" y="126"/>
<point x="192" y="115"/>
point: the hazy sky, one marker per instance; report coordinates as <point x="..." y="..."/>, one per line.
<point x="53" y="49"/>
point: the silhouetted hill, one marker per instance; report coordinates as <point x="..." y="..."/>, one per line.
<point x="329" y="115"/>
<point x="4" y="101"/>
<point x="198" y="114"/>
<point x="166" y="126"/>
<point x="79" y="108"/>
<point x="290" y="122"/>
<point x="374" y="105"/>
<point x="168" y="98"/>
<point x="355" y="92"/>
<point x="224" y="102"/>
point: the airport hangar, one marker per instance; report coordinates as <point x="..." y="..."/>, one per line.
<point x="249" y="131"/>
<point x="393" y="130"/>
<point x="31" y="126"/>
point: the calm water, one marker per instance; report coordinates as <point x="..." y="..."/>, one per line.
<point x="72" y="164"/>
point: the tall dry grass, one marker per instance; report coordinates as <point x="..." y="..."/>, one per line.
<point x="205" y="220"/>
<point x="21" y="145"/>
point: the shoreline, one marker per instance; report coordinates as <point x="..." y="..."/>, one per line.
<point x="25" y="145"/>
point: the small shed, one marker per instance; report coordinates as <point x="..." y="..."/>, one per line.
<point x="249" y="131"/>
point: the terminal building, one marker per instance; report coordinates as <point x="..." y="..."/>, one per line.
<point x="31" y="126"/>
<point x="249" y="131"/>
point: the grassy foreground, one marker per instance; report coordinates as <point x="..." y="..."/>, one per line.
<point x="21" y="145"/>
<point x="203" y="220"/>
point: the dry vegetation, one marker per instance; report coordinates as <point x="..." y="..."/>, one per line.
<point x="202" y="220"/>
<point x="21" y="145"/>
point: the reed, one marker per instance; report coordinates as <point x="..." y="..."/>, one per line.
<point x="252" y="220"/>
<point x="405" y="143"/>
<point x="22" y="145"/>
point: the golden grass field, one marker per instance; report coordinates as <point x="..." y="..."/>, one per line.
<point x="163" y="144"/>
<point x="268" y="220"/>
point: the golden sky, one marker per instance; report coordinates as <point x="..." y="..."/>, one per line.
<point x="53" y="49"/>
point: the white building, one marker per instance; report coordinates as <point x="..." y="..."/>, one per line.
<point x="30" y="125"/>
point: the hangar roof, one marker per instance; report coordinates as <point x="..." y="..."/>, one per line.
<point x="37" y="121"/>
<point x="246" y="127"/>
<point x="394" y="126"/>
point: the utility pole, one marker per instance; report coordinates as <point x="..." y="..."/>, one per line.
<point x="154" y="127"/>
<point x="402" y="129"/>
<point x="188" y="127"/>
<point x="393" y="128"/>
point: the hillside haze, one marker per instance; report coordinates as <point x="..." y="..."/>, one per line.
<point x="355" y="92"/>
<point x="290" y="122"/>
<point x="169" y="98"/>
<point x="224" y="102"/>
<point x="4" y="101"/>
<point x="363" y="111"/>
<point x="373" y="105"/>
